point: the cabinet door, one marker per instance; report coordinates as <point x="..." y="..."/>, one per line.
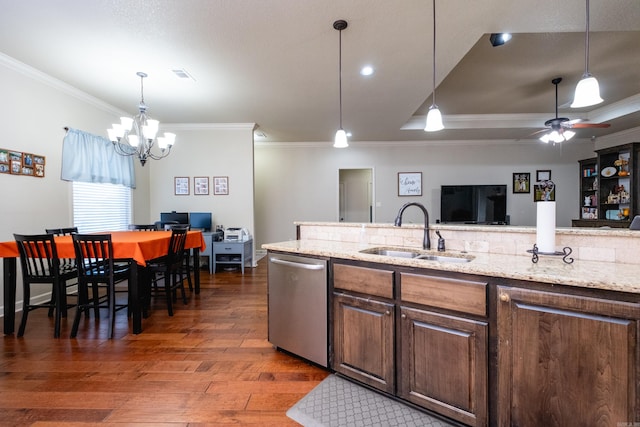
<point x="444" y="364"/>
<point x="566" y="360"/>
<point x="363" y="340"/>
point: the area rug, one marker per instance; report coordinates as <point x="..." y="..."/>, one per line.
<point x="337" y="402"/>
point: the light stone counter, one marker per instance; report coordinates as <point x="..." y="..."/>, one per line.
<point x="549" y="269"/>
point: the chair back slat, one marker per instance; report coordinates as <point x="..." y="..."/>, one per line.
<point x="38" y="257"/>
<point x="142" y="227"/>
<point x="176" y="246"/>
<point x="94" y="255"/>
<point x="62" y="231"/>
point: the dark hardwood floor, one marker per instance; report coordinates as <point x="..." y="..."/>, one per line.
<point x="209" y="364"/>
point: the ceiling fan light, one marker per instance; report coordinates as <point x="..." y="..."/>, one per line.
<point x="545" y="138"/>
<point x="341" y="139"/>
<point x="434" y="119"/>
<point x="568" y="134"/>
<point x="587" y="92"/>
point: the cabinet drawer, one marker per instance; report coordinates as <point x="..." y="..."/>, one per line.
<point x="452" y="294"/>
<point x="365" y="280"/>
<point x="232" y="248"/>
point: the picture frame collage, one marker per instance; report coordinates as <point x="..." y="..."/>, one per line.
<point x="14" y="162"/>
<point x="543" y="188"/>
<point x="182" y="187"/>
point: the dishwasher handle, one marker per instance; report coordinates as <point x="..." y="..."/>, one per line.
<point x="296" y="264"/>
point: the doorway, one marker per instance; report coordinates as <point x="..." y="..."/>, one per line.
<point x="355" y="189"/>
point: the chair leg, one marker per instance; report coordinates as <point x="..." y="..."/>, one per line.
<point x="169" y="279"/>
<point x="95" y="292"/>
<point x="25" y="310"/>
<point x="188" y="269"/>
<point x="76" y="319"/>
<point x="58" y="310"/>
<point x="112" y="308"/>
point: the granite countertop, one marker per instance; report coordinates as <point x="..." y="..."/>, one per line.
<point x="549" y="269"/>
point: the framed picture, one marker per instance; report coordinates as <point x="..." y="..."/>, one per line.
<point x="409" y="183"/>
<point x="220" y="185"/>
<point x="543" y="175"/>
<point x="201" y="185"/>
<point x="544" y="192"/>
<point x="19" y="163"/>
<point x="181" y="185"/>
<point x="521" y="182"/>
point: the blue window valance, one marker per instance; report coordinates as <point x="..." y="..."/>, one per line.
<point x="91" y="158"/>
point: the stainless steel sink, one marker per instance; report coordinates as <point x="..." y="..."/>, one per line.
<point x="392" y="252"/>
<point x="442" y="258"/>
<point x="414" y="254"/>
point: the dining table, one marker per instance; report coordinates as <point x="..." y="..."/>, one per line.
<point x="136" y="247"/>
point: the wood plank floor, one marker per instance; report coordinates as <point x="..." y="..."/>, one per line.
<point x="210" y="364"/>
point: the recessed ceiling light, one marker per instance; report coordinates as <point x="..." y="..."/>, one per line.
<point x="367" y="70"/>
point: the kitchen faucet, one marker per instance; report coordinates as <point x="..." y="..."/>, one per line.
<point x="426" y="244"/>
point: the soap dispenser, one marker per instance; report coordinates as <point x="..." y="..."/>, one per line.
<point x="440" y="242"/>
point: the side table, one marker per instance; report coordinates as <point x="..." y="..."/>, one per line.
<point x="231" y="252"/>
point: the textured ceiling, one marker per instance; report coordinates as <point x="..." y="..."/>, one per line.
<point x="275" y="62"/>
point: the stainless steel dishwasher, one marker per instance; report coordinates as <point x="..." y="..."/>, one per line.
<point x="297" y="287"/>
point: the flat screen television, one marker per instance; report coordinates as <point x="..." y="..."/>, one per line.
<point x="200" y="221"/>
<point x="473" y="204"/>
<point x="173" y="217"/>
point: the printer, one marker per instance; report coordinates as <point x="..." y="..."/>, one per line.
<point x="236" y="234"/>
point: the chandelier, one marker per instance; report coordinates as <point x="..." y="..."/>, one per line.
<point x="136" y="136"/>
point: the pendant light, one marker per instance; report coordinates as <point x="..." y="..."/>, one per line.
<point x="341" y="135"/>
<point x="587" y="90"/>
<point x="434" y="117"/>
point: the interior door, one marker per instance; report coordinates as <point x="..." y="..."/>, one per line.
<point x="355" y="189"/>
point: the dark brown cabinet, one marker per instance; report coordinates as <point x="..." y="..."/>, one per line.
<point x="609" y="186"/>
<point x="566" y="360"/>
<point x="364" y="327"/>
<point x="364" y="334"/>
<point x="444" y="365"/>
<point x="426" y="343"/>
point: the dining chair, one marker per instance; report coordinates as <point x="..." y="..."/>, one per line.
<point x="142" y="227"/>
<point x="40" y="265"/>
<point x="96" y="266"/>
<point x="186" y="271"/>
<point x="170" y="268"/>
<point x="67" y="265"/>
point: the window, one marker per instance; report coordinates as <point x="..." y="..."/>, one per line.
<point x="101" y="207"/>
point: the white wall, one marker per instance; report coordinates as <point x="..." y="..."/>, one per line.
<point x="298" y="182"/>
<point x="207" y="151"/>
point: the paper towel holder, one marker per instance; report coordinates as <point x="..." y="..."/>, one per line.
<point x="566" y="251"/>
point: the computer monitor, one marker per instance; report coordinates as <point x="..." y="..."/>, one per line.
<point x="200" y="221"/>
<point x="173" y="217"/>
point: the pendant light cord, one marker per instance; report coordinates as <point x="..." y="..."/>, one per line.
<point x="340" y="73"/>
<point x="586" y="44"/>
<point x="434" y="54"/>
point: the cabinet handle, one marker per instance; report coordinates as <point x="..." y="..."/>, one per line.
<point x="387" y="312"/>
<point x="404" y="316"/>
<point x="504" y="297"/>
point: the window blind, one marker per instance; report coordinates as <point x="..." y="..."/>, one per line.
<point x="101" y="207"/>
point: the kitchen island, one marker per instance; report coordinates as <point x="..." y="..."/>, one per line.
<point x="499" y="340"/>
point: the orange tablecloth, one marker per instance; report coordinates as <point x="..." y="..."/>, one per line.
<point x="140" y="246"/>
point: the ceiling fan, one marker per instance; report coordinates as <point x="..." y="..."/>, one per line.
<point x="558" y="128"/>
